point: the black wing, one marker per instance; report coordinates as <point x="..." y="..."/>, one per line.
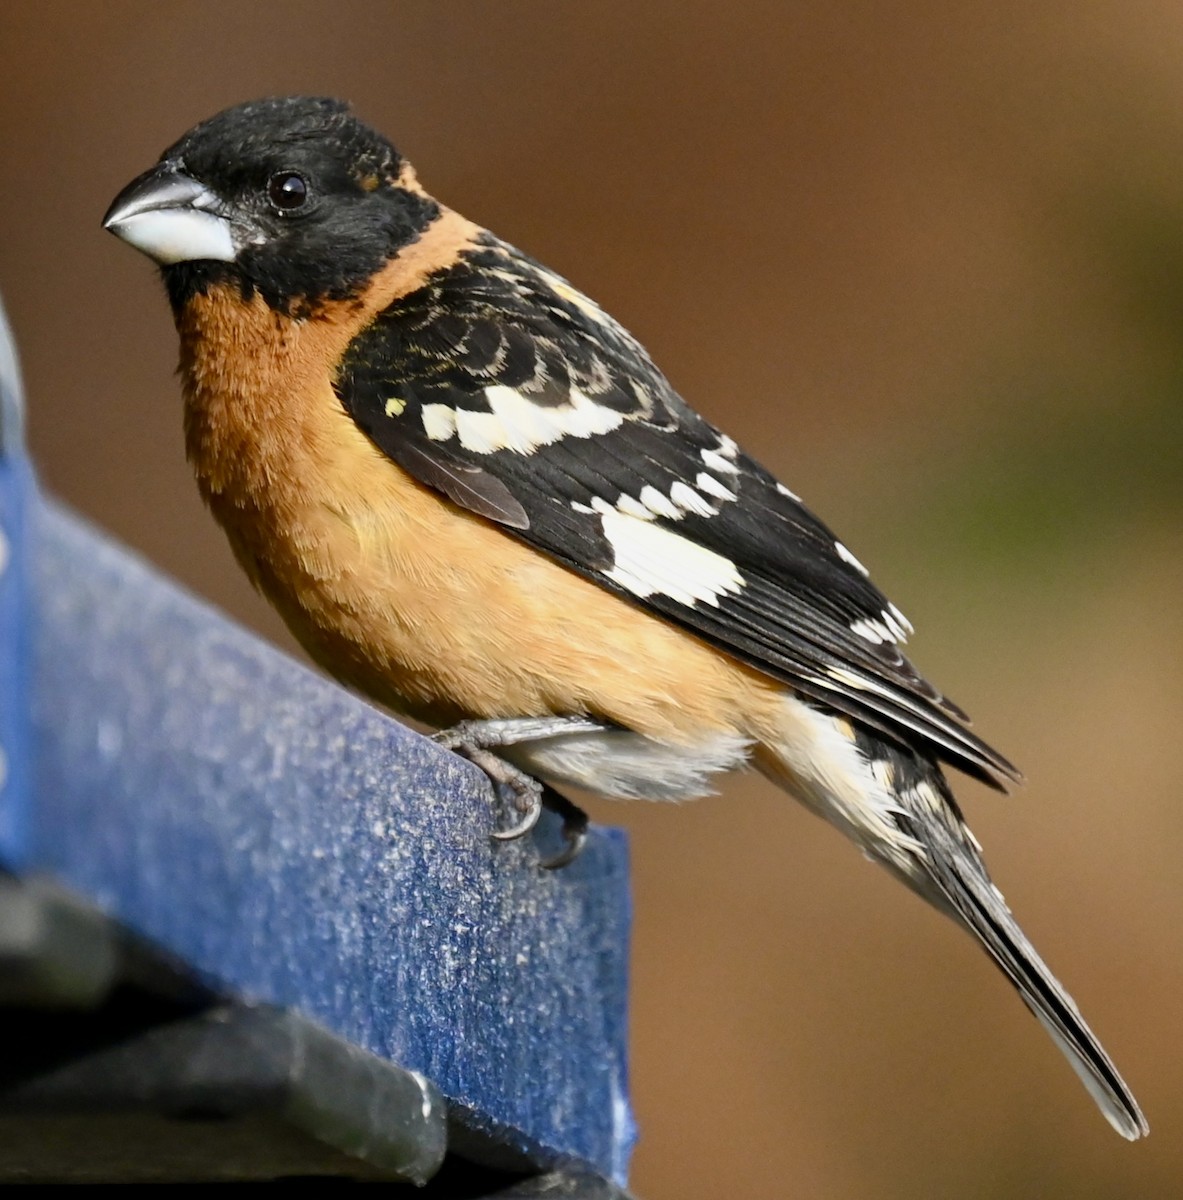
<point x="501" y="386"/>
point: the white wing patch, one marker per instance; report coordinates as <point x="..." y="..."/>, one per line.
<point x="439" y="422"/>
<point x="897" y="623"/>
<point x="651" y="503"/>
<point x="874" y="632"/>
<point x="686" y="498"/>
<point x="890" y="626"/>
<point x="846" y="556"/>
<point x="631" y="506"/>
<point x="716" y="462"/>
<point x="649" y="559"/>
<point x="658" y="504"/>
<point x="483" y="432"/>
<point x="517" y="423"/>
<point x="713" y="487"/>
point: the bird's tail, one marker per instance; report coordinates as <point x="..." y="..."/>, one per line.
<point x="896" y="805"/>
<point x="960" y="879"/>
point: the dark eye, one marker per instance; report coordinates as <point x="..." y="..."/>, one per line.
<point x="287" y="191"/>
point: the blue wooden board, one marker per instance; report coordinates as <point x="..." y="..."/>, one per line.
<point x="15" y="489"/>
<point x="16" y="486"/>
<point x="296" y="846"/>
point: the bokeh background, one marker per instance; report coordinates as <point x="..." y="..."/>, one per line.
<point x="926" y="261"/>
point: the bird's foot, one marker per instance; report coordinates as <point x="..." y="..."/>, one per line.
<point x="524" y="791"/>
<point x="476" y="741"/>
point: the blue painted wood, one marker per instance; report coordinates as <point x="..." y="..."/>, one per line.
<point x="16" y="486"/>
<point x="297" y="846"/>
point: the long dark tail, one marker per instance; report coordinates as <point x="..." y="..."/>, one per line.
<point x="959" y="877"/>
<point x="895" y="804"/>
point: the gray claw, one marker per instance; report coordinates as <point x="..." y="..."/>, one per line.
<point x="523" y="827"/>
<point x="575" y="822"/>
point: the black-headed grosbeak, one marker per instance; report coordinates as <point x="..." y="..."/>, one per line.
<point x="472" y="496"/>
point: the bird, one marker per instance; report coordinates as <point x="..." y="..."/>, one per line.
<point x="474" y="498"/>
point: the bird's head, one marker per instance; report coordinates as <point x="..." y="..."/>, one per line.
<point x="294" y="199"/>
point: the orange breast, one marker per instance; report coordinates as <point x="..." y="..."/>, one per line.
<point x="390" y="587"/>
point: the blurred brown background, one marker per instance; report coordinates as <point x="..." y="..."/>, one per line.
<point x="927" y="262"/>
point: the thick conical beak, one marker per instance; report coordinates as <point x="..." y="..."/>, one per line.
<point x="172" y="218"/>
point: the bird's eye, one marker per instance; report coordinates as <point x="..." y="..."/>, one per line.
<point x="287" y="191"/>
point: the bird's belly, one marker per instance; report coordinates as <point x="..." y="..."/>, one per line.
<point x="622" y="765"/>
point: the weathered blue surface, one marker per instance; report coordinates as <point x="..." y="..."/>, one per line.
<point x="16" y="486"/>
<point x="299" y="847"/>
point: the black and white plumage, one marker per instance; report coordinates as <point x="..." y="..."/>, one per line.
<point x="507" y="390"/>
<point x="472" y="495"/>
